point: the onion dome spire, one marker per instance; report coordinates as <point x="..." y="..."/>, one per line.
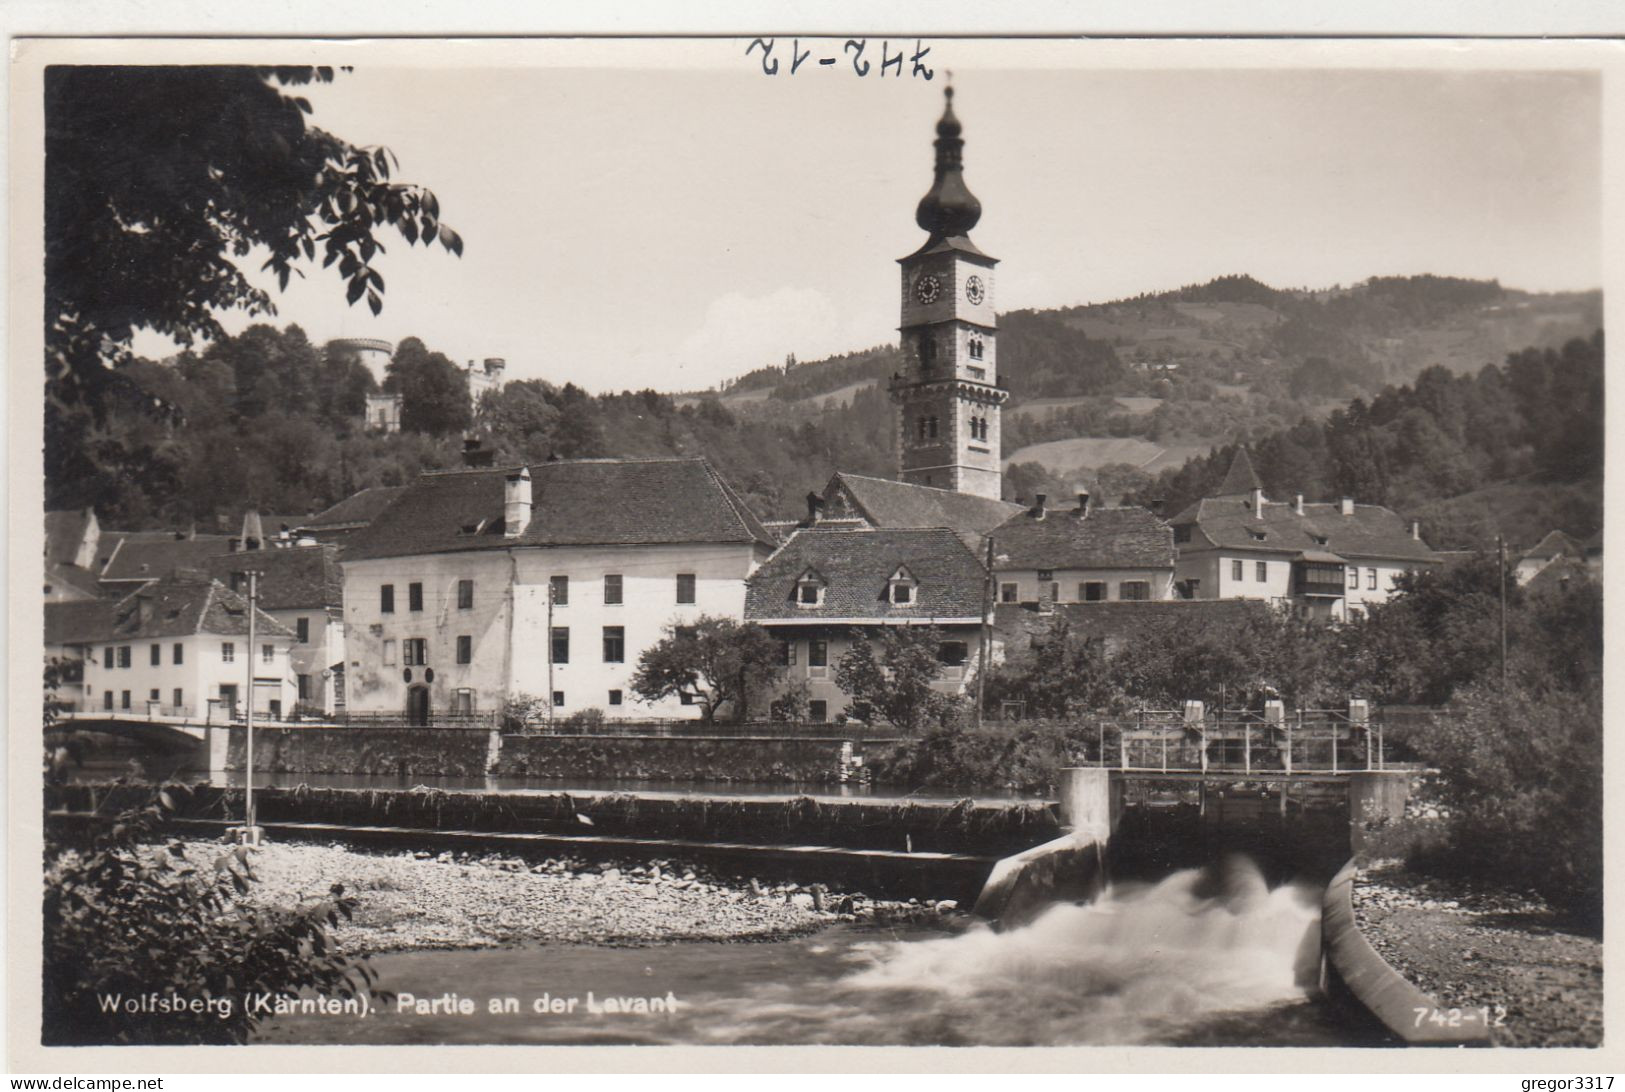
<point x="949" y="209"/>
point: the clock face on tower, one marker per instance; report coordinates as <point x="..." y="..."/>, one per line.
<point x="973" y="290"/>
<point x="927" y="288"/>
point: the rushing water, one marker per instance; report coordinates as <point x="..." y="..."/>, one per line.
<point x="1204" y="956"/>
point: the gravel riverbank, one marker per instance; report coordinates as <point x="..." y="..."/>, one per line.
<point x="1473" y="947"/>
<point x="413" y="900"/>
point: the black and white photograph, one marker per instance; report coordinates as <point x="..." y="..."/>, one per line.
<point x="852" y="541"/>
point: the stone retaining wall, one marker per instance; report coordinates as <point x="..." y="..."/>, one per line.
<point x="395" y="752"/>
<point x="761" y="759"/>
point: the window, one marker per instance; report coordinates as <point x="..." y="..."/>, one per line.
<point x="1262" y="572"/>
<point x="952" y="653"/>
<point x="465" y="649"/>
<point x="817" y="653"/>
<point x="107" y="700"/>
<point x="178" y="696"/>
<point x="304" y="687"/>
<point x="228" y="652"/>
<point x="1235" y="570"/>
<point x="817" y="710"/>
<point x="1007" y="593"/>
<point x="415" y="651"/>
<point x="1182" y="533"/>
<point x="900" y="588"/>
<point x="685" y="587"/>
<point x="1045" y="576"/>
<point x="178" y="652"/>
<point x="921" y="423"/>
<point x="462" y="700"/>
<point x="614" y="697"/>
<point x="1371" y="579"/>
<point x="1134" y="590"/>
<point x="414" y="596"/>
<point x="558" y="699"/>
<point x="685" y="698"/>
<point x="157" y="655"/>
<point x="1354" y="578"/>
<point x="1092" y="591"/>
<point x="808" y="594"/>
<point x="561" y="644"/>
<point x="267" y="654"/>
<point x="612" y="589"/>
<point x="386" y="599"/>
<point x="902" y="593"/>
<point x="787" y="653"/>
<point x="152" y="695"/>
<point x="931" y="427"/>
<point x="124" y="653"/>
<point x="1054" y="592"/>
<point x="465" y="595"/>
<point x="1195" y="586"/>
<point x="124" y="699"/>
<point x="301" y="629"/>
<point x="614" y="644"/>
<point x="107" y="653"/>
<point x="558" y="589"/>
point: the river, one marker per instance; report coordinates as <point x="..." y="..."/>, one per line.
<point x="1204" y="956"/>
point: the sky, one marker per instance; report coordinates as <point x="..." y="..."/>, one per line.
<point x="674" y="220"/>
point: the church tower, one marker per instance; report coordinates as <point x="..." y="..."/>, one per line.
<point x="947" y="395"/>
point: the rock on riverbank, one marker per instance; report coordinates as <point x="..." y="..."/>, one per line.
<point x="1473" y="948"/>
<point x="418" y="900"/>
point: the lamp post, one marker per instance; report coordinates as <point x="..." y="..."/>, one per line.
<point x="251" y="832"/>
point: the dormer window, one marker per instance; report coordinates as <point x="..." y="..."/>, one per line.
<point x="900" y="587"/>
<point x="1258" y="536"/>
<point x="810" y="589"/>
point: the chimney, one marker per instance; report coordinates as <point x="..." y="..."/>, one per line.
<point x="516" y="503"/>
<point x="1416" y="529"/>
<point x="1258" y="502"/>
<point x="1347" y="505"/>
<point x="1038" y="506"/>
<point x="1297" y="504"/>
<point x="815" y="503"/>
<point x="1083" y="504"/>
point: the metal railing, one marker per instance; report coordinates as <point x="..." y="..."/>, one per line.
<point x="1301" y="742"/>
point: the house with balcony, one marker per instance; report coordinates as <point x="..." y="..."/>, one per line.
<point x="826" y="586"/>
<point x="476" y="586"/>
<point x="1086" y="554"/>
<point x="1324" y="560"/>
<point x="177" y="646"/>
<point x="302" y="587"/>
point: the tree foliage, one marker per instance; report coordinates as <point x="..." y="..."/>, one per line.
<point x="130" y="916"/>
<point x="433" y="390"/>
<point x="712" y="663"/>
<point x="890" y="676"/>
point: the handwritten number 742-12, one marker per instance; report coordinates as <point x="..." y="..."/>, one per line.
<point x="854" y="51"/>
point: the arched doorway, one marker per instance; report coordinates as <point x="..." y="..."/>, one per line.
<point x="417" y="705"/>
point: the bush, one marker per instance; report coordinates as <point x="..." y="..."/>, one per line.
<point x="1025" y="756"/>
<point x="129" y="918"/>
<point x="1522" y="778"/>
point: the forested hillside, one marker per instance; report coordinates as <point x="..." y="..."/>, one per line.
<point x="1111" y="397"/>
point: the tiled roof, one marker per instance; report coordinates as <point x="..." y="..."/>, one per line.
<point x="358" y="509"/>
<point x="1240" y="479"/>
<point x="887" y="503"/>
<point x="1555" y="544"/>
<point x="1560" y="572"/>
<point x="72" y="576"/>
<point x="856" y="567"/>
<point x="292" y="576"/>
<point x="1372" y="531"/>
<point x="1115" y="622"/>
<point x="140" y="557"/>
<point x="1106" y="538"/>
<point x="631" y="502"/>
<point x="64" y="531"/>
<point x="80" y="623"/>
<point x="181" y="606"/>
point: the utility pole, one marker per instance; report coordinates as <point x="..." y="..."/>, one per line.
<point x="987" y="607"/>
<point x="250" y="829"/>
<point x="1501" y="561"/>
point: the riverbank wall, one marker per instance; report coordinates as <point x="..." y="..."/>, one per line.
<point x="475" y="752"/>
<point x="903" y="826"/>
